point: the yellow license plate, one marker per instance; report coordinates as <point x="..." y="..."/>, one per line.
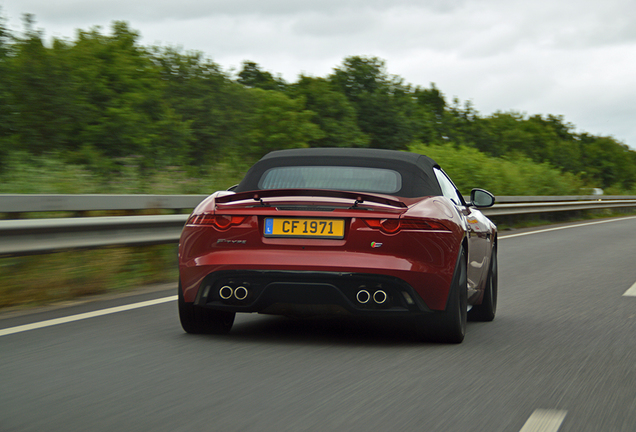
<point x="304" y="227"/>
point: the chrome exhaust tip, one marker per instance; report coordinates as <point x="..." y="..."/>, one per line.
<point x="363" y="296"/>
<point x="379" y="297"/>
<point x="240" y="293"/>
<point x="226" y="292"/>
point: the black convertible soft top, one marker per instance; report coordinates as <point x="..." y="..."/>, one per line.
<point x="418" y="178"/>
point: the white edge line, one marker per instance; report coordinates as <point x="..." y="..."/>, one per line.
<point x="631" y="292"/>
<point x="544" y="420"/>
<point x="565" y="227"/>
<point x="82" y="316"/>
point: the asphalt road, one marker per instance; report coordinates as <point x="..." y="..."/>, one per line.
<point x="563" y="341"/>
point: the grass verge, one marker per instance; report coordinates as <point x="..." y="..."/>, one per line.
<point x="43" y="279"/>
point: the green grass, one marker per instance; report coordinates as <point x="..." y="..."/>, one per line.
<point x="38" y="280"/>
<point x="51" y="174"/>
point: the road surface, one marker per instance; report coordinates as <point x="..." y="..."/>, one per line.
<point x="560" y="355"/>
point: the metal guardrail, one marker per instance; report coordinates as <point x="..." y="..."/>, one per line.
<point x="36" y="236"/>
<point x="519" y="208"/>
<point x="10" y="203"/>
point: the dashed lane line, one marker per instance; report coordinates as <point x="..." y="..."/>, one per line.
<point x="631" y="292"/>
<point x="544" y="420"/>
<point x="83" y="316"/>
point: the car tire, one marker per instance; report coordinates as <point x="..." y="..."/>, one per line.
<point x="488" y="307"/>
<point x="198" y="320"/>
<point x="449" y="326"/>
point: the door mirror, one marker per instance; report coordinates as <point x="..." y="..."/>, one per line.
<point x="481" y="198"/>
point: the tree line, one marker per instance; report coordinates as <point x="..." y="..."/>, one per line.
<point x="100" y="99"/>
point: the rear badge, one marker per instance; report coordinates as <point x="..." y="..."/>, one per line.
<point x="375" y="244"/>
<point x="231" y="241"/>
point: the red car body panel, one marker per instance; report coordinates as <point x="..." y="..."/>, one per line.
<point x="206" y="249"/>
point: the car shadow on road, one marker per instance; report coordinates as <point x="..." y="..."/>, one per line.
<point x="331" y="331"/>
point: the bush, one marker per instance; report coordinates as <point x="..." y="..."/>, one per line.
<point x="469" y="168"/>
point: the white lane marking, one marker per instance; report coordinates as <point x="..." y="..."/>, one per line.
<point x="543" y="420"/>
<point x="565" y="227"/>
<point x="631" y="292"/>
<point x="82" y="316"/>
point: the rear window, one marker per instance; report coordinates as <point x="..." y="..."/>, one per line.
<point x="357" y="179"/>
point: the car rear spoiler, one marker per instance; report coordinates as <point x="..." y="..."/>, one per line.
<point x="357" y="197"/>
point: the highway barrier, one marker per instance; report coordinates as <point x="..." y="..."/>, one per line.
<point x="25" y="236"/>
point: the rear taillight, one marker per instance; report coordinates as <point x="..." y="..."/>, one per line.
<point x="387" y="225"/>
<point x="221" y="222"/>
<point x="391" y="226"/>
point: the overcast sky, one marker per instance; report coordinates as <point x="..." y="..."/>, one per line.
<point x="575" y="58"/>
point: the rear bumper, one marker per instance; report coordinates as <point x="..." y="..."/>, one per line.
<point x="290" y="292"/>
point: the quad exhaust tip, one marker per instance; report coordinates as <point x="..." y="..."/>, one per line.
<point x="240" y="293"/>
<point x="226" y="292"/>
<point x="379" y="297"/>
<point x="363" y="296"/>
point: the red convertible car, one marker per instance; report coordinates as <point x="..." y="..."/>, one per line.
<point x="374" y="233"/>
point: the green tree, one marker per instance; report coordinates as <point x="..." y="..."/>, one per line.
<point x="278" y="122"/>
<point x="608" y="163"/>
<point x="36" y="86"/>
<point x="117" y="86"/>
<point x="208" y="102"/>
<point x="335" y="116"/>
<point x="359" y="76"/>
<point x="6" y="39"/>
<point x="430" y="115"/>
<point x="254" y="77"/>
<point x="432" y="99"/>
<point x="119" y="105"/>
<point x="384" y="105"/>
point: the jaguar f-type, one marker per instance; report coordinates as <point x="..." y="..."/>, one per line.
<point x="362" y="232"/>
